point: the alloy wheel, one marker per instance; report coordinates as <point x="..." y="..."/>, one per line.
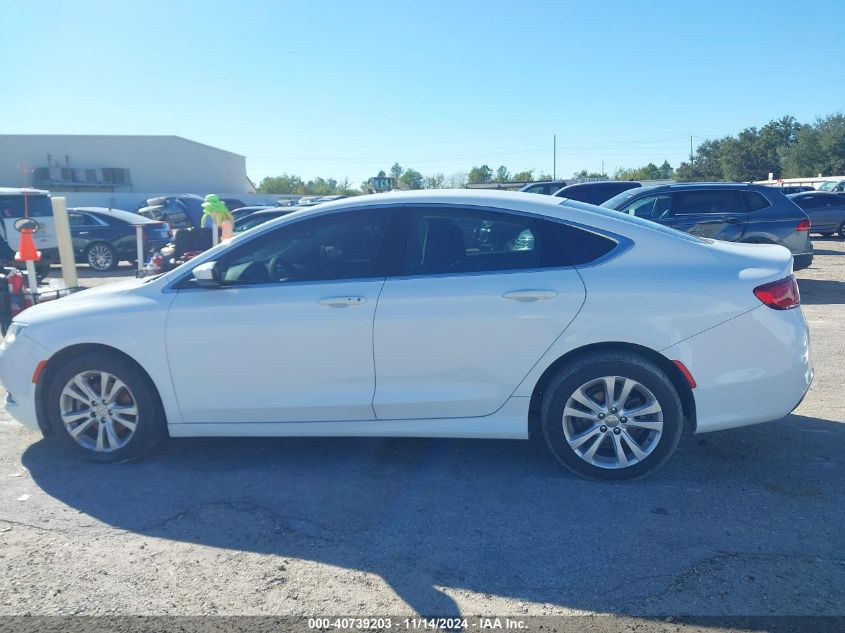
<point x="612" y="422"/>
<point x="99" y="411"/>
<point x="100" y="257"/>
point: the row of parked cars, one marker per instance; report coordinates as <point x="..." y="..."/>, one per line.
<point x="734" y="212"/>
<point x="104" y="237"/>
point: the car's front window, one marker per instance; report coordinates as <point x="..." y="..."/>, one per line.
<point x="619" y="200"/>
<point x="649" y="207"/>
<point x="326" y="247"/>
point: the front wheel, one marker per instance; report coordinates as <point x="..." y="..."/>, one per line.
<point x="842" y="230"/>
<point x="612" y="416"/>
<point x="104" y="408"/>
<point x="101" y="257"/>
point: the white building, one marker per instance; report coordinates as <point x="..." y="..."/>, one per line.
<point x="119" y="171"/>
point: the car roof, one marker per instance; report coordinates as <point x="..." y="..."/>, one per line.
<point x="549" y="206"/>
<point x="575" y="185"/>
<point x="20" y="191"/>
<point x="118" y="214"/>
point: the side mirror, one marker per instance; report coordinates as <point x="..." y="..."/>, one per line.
<point x="207" y="275"/>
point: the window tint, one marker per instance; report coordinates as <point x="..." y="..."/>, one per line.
<point x="37" y="206"/>
<point x="649" y="207"/>
<point x="80" y="219"/>
<point x="754" y="200"/>
<point x="466" y="240"/>
<point x="703" y="201"/>
<point x="571" y="246"/>
<point x="809" y="202"/>
<point x="335" y="246"/>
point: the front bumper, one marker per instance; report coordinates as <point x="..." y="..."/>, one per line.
<point x="754" y="368"/>
<point x="17" y="365"/>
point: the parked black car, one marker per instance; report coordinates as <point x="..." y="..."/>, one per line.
<point x="547" y="187"/>
<point x="596" y="192"/>
<point x="260" y="217"/>
<point x="242" y="212"/>
<point x="103" y="237"/>
<point x="826" y="211"/>
<point x="733" y="212"/>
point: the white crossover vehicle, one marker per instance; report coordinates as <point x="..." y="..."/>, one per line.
<point x="433" y="314"/>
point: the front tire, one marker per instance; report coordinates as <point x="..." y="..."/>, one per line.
<point x="842" y="230"/>
<point x="101" y="257"/>
<point x="612" y="415"/>
<point x="103" y="408"/>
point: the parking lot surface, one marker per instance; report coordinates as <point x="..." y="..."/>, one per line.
<point x="747" y="521"/>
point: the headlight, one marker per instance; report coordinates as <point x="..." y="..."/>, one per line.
<point x="12" y="334"/>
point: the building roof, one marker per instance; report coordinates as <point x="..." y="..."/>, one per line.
<point x="121" y="137"/>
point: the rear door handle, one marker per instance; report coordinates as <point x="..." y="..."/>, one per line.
<point x="342" y="302"/>
<point x="529" y="295"/>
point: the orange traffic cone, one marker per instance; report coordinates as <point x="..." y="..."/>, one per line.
<point x="27" y="252"/>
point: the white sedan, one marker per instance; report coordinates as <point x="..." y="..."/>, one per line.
<point x="426" y="314"/>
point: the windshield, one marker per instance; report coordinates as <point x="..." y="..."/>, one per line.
<point x="620" y="199"/>
<point x="827" y="186"/>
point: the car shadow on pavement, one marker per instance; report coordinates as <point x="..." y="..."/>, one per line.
<point x="822" y="291"/>
<point x="743" y="521"/>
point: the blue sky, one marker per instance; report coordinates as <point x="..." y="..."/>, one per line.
<point x="346" y="88"/>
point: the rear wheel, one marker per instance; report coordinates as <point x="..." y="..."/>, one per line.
<point x="842" y="230"/>
<point x="612" y="416"/>
<point x="104" y="408"/>
<point x="101" y="257"/>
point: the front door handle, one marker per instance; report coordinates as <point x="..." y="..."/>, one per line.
<point x="733" y="220"/>
<point x="342" y="302"/>
<point x="529" y="295"/>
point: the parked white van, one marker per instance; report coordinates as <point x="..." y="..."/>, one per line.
<point x="35" y="204"/>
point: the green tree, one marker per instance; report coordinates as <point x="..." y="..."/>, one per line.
<point x="437" y="181"/>
<point x="396" y="171"/>
<point x="479" y="175"/>
<point x="523" y="176"/>
<point x="584" y="174"/>
<point x="818" y="149"/>
<point x="502" y="174"/>
<point x="411" y="179"/>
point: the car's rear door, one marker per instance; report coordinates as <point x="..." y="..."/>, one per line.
<point x="477" y="303"/>
<point x="708" y="212"/>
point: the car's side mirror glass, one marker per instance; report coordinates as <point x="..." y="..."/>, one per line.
<point x="207" y="275"/>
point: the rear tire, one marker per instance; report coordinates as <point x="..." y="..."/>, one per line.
<point x="626" y="436"/>
<point x="842" y="230"/>
<point x="103" y="408"/>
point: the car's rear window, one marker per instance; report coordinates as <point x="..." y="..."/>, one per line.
<point x="754" y="200"/>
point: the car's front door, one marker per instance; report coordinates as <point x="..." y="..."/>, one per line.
<point x="715" y="213"/>
<point x="477" y="305"/>
<point x="288" y="335"/>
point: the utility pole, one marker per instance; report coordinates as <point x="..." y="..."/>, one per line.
<point x="690" y="149"/>
<point x="554" y="157"/>
<point x="602" y="169"/>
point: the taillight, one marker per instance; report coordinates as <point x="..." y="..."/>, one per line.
<point x="781" y="294"/>
<point x="803" y="225"/>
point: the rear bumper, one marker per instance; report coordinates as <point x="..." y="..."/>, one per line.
<point x="754" y="368"/>
<point x="802" y="261"/>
